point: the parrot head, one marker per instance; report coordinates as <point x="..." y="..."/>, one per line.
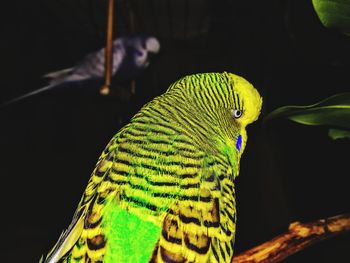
<point x="144" y="49"/>
<point x="248" y="112"/>
<point x="152" y="45"/>
<point x="224" y="104"/>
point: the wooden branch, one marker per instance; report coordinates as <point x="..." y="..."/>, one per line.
<point x="109" y="50"/>
<point x="296" y="239"/>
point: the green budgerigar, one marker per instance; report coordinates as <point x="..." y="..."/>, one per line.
<point x="163" y="188"/>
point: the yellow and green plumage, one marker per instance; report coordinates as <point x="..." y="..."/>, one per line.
<point x="163" y="189"/>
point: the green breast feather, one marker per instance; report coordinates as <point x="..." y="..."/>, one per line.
<point x="163" y="188"/>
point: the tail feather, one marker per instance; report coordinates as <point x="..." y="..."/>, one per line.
<point x="60" y="76"/>
<point x="58" y="73"/>
<point x="68" y="238"/>
<point x="29" y="94"/>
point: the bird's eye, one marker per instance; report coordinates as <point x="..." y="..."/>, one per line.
<point x="138" y="53"/>
<point x="237" y="113"/>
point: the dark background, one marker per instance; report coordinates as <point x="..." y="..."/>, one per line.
<point x="50" y="143"/>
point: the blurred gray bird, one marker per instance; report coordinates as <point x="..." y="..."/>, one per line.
<point x="130" y="57"/>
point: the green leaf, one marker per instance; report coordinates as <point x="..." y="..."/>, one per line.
<point x="334" y="14"/>
<point x="333" y="111"/>
<point x="338" y="134"/>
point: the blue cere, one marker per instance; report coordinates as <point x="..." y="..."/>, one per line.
<point x="239" y="142"/>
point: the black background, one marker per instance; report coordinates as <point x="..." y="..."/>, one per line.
<point x="49" y="144"/>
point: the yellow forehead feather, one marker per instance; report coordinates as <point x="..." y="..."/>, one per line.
<point x="251" y="97"/>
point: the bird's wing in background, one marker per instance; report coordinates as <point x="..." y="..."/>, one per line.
<point x="92" y="66"/>
<point x="118" y="54"/>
